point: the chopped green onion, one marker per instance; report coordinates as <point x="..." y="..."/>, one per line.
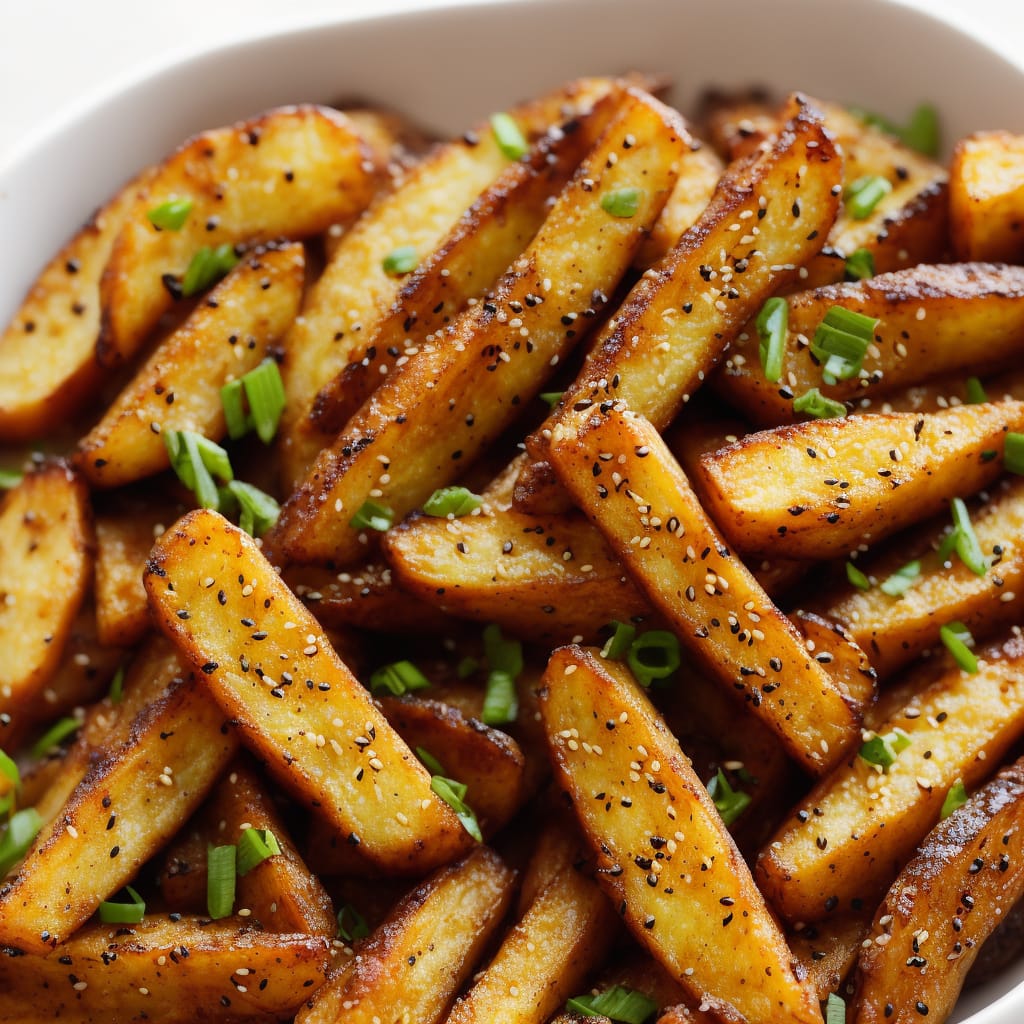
<point x="975" y="391"/>
<point x="551" y="397"/>
<point x="618" y="644"/>
<point x="502" y="655"/>
<point x="958" y="640"/>
<point x="55" y="735"/>
<point x="625" y="1005"/>
<point x="402" y="260"/>
<point x="208" y="266"/>
<point x="965" y="540"/>
<point x="258" y="511"/>
<point x="195" y="460"/>
<point x="882" y="750"/>
<point x="921" y="132"/>
<point x="771" y="324"/>
<point x="653" y="655"/>
<point x="430" y="762"/>
<point x="1013" y="453"/>
<point x="397" y="678"/>
<point x="255" y="845"/>
<point x="835" y="1009"/>
<point x="508" y="135"/>
<point x="265" y="392"/>
<point x="170" y="216"/>
<point x="220" y="881"/>
<point x="451" y="501"/>
<point x="9" y="771"/>
<point x="466" y="667"/>
<point x="453" y="794"/>
<point x="116" y="693"/>
<point x="731" y="803"/>
<point x="622" y="202"/>
<point x="235" y="417"/>
<point x="351" y="924"/>
<point x="372" y="516"/>
<point x="813" y="403"/>
<point x="501" y="702"/>
<point x="860" y="265"/>
<point x="864" y="194"/>
<point x="21" y="831"/>
<point x="118" y="912"/>
<point x="955" y="798"/>
<point x="841" y="341"/>
<point x="856" y="577"/>
<point x="9" y="479"/>
<point x="901" y="580"/>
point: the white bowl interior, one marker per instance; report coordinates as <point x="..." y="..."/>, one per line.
<point x="447" y="67"/>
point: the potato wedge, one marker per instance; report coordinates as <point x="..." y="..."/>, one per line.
<point x="414" y="963"/>
<point x="819" y="489"/>
<point x="290" y="172"/>
<point x="986" y="197"/>
<point x="947" y="901"/>
<point x="265" y="660"/>
<point x="179" y="387"/>
<point x="829" y="953"/>
<point x="664" y="855"/>
<point x="117" y="818"/>
<point x="399" y="448"/>
<point x="165" y="970"/>
<point x="847" y="839"/>
<point x="48" y="369"/>
<point x="621" y="474"/>
<point x="945" y="318"/>
<point x="45" y="537"/>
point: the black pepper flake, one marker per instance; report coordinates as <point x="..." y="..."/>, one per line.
<point x="114" y="851"/>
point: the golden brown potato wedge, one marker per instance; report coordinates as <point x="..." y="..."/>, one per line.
<point x="947" y="901"/>
<point x="48" y="368"/>
<point x="45" y="568"/>
<point x="663" y="853"/>
<point x="821" y="488"/>
<point x="414" y="963"/>
<point x="497" y="355"/>
<point x="179" y="387"/>
<point x="165" y="970"/>
<point x="847" y="839"/>
<point x="933" y="319"/>
<point x="129" y="804"/>
<point x="621" y="474"/>
<point x="291" y="172"/>
<point x="264" y="658"/>
<point x="986" y="197"/>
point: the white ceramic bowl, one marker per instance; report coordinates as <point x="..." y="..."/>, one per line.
<point x="449" y="66"/>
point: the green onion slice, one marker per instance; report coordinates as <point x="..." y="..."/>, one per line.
<point x="551" y="397"/>
<point x="1013" y="453"/>
<point x="116" y="692"/>
<point x="860" y="265"/>
<point x="372" y="516"/>
<point x="453" y="794"/>
<point x="430" y="762"/>
<point x="882" y="750"/>
<point x="975" y="391"/>
<point x="258" y="511"/>
<point x="265" y="392"/>
<point x="451" y="501"/>
<point x="351" y="924"/>
<point x="731" y="803"/>
<point x="402" y="260"/>
<point x="255" y="845"/>
<point x="901" y="580"/>
<point x="55" y="735"/>
<point x="501" y="702"/>
<point x="618" y="644"/>
<point x="22" y="829"/>
<point x="617" y="1003"/>
<point x="864" y="194"/>
<point x="9" y="789"/>
<point x="502" y="655"/>
<point x="835" y="1009"/>
<point x="771" y="324"/>
<point x="466" y="667"/>
<point x="220" y="881"/>
<point x="813" y="403"/>
<point x="958" y="640"/>
<point x="955" y="799"/>
<point x="653" y="655"/>
<point x="856" y="577"/>
<point x="170" y="216"/>
<point x="397" y="678"/>
<point x="235" y="417"/>
<point x="208" y="266"/>
<point x="195" y="460"/>
<point x="119" y="912"/>
<point x="508" y="135"/>
<point x="10" y="478"/>
<point x="922" y="133"/>
<point x="840" y="342"/>
<point x="622" y="202"/>
<point x="965" y="540"/>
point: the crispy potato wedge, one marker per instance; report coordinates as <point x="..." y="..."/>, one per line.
<point x="355" y="291"/>
<point x="933" y="319"/>
<point x="48" y="368"/>
<point x="664" y="855"/>
<point x="291" y="172"/>
<point x="947" y="901"/>
<point x="265" y="660"/>
<point x="621" y="474"/>
<point x="986" y="197"/>
<point x="117" y="818"/>
<point x="896" y="629"/>
<point x="167" y="971"/>
<point x="819" y="489"/>
<point x="179" y="386"/>
<point x="847" y="839"/>
<point x="414" y="963"/>
<point x="398" y="448"/>
<point x="45" y="568"/>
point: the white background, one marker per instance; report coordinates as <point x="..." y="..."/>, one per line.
<point x="53" y="53"/>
